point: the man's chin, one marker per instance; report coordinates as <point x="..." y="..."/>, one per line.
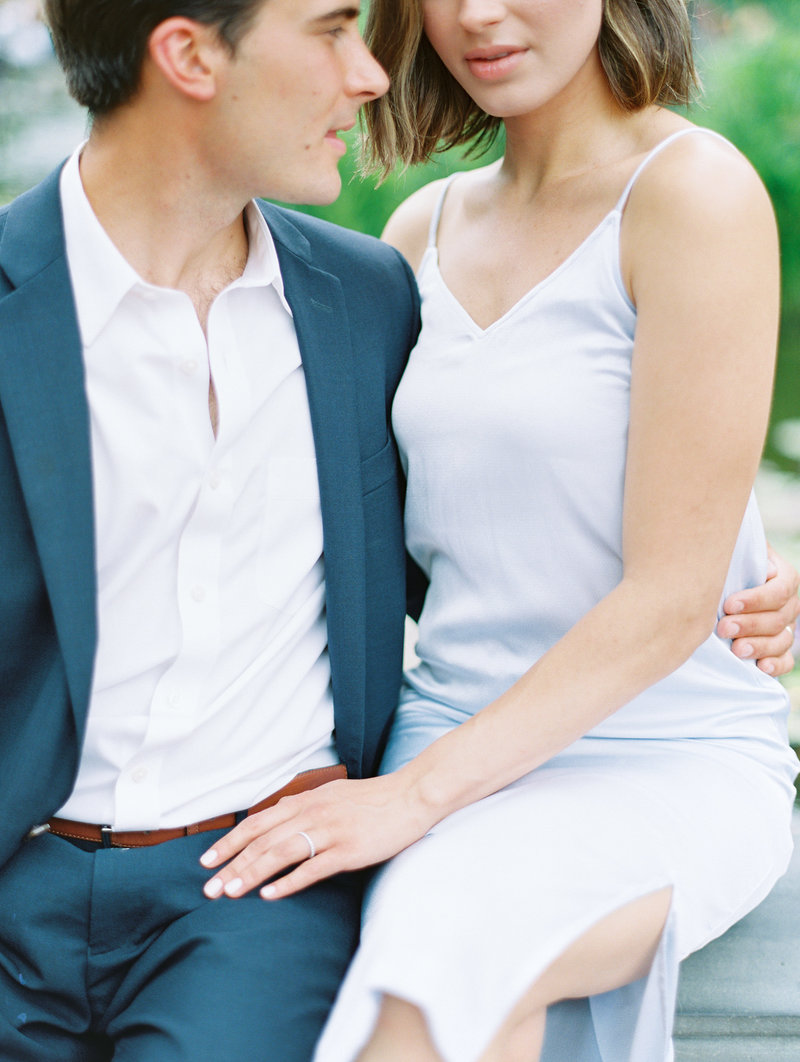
<point x="323" y="193"/>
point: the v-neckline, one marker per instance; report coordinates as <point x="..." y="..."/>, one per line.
<point x="433" y="251"/>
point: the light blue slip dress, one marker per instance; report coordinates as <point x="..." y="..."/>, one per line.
<point x="514" y="442"/>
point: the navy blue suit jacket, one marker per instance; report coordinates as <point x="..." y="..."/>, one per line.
<point x="356" y="312"/>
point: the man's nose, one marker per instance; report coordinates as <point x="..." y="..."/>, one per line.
<point x="366" y="76"/>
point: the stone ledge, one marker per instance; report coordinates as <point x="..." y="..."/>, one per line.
<point x="739" y="998"/>
<point x="731" y="1049"/>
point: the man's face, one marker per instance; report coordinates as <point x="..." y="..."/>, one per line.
<point x="299" y="75"/>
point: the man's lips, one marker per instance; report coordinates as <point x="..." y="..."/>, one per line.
<point x="495" y="62"/>
<point x="332" y="136"/>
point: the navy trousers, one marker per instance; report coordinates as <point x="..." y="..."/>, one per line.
<point x="116" y="953"/>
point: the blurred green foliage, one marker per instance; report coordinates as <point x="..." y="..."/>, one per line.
<point x="750" y="59"/>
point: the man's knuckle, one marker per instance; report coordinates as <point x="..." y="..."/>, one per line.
<point x="783" y="664"/>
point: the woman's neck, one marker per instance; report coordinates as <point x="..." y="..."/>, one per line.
<point x="582" y="128"/>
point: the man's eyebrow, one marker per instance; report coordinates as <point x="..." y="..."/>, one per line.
<point x="349" y="12"/>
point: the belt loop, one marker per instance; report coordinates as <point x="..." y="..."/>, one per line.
<point x="106" y="832"/>
<point x="240" y="816"/>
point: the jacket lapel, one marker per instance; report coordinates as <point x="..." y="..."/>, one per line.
<point x="44" y="403"/>
<point x="323" y="332"/>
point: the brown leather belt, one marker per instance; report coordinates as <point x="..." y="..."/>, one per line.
<point x="87" y="831"/>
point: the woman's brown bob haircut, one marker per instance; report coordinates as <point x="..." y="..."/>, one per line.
<point x="645" y="48"/>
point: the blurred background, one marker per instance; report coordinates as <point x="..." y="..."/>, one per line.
<point x="749" y="55"/>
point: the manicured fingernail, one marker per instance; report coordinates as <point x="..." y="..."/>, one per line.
<point x="268" y="892"/>
<point x="744" y="650"/>
<point x="767" y="666"/>
<point x="209" y="858"/>
<point x="233" y="888"/>
<point x="213" y="888"/>
<point x="737" y="606"/>
<point x="729" y="629"/>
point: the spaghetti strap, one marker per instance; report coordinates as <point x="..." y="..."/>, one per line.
<point x="436" y="217"/>
<point x="623" y="199"/>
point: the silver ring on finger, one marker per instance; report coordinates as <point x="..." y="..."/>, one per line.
<point x="312" y="849"/>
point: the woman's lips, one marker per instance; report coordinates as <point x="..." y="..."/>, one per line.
<point x="491" y="64"/>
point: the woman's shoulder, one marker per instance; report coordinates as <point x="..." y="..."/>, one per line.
<point x="408" y="228"/>
<point x="697" y="175"/>
<point x="698" y="191"/>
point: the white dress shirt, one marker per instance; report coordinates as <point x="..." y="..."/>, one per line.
<point x="212" y="683"/>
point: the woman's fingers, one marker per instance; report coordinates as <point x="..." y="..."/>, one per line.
<point x="344" y="825"/>
<point x="247" y="831"/>
<point x="306" y="874"/>
<point x="265" y="856"/>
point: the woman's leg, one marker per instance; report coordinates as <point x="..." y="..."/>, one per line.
<point x="399" y="1035"/>
<point x="614" y="952"/>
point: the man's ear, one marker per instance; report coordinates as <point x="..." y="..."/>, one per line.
<point x="188" y="55"/>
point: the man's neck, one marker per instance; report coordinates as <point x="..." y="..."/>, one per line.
<point x="162" y="216"/>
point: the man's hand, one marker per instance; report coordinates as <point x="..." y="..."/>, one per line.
<point x="761" y="621"/>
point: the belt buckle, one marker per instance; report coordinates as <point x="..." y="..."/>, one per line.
<point x="37" y="831"/>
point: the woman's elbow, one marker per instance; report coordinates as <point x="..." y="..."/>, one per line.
<point x="683" y="616"/>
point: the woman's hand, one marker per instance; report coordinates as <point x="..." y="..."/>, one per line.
<point x="761" y="621"/>
<point x="350" y="824"/>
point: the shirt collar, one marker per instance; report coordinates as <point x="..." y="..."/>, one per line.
<point x="102" y="277"/>
<point x="262" y="266"/>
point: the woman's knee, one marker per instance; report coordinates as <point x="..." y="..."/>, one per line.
<point x="615" y="951"/>
<point x="401" y="1033"/>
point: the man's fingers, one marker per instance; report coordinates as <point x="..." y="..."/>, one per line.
<point x="779" y="593"/>
<point x="786" y="572"/>
<point x="778" y="625"/>
<point x="762" y="648"/>
<point x="768" y="651"/>
<point x="776" y="666"/>
<point x="768" y="597"/>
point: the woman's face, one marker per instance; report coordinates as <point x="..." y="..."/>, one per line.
<point x="515" y="56"/>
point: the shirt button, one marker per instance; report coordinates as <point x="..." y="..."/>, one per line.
<point x="174" y="700"/>
<point x="188" y="367"/>
<point x="139" y="775"/>
<point x="214" y="480"/>
<point x="198" y="593"/>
